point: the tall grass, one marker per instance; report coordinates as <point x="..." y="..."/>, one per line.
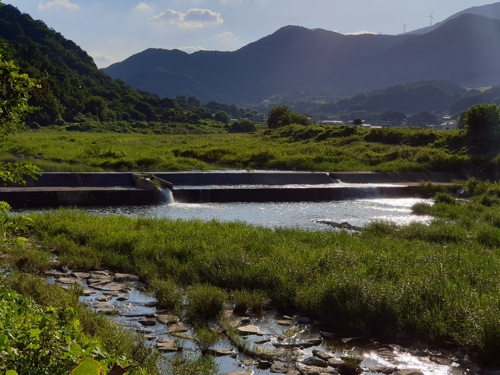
<point x="315" y="148"/>
<point x="439" y="282"/>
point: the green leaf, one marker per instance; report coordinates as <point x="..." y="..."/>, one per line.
<point x="11" y="372"/>
<point x="87" y="366"/>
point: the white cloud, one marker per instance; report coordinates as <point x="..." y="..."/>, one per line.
<point x="231" y="1"/>
<point x="142" y="6"/>
<point x="226" y="37"/>
<point x="191" y="49"/>
<point x="192" y="19"/>
<point x="54" y="4"/>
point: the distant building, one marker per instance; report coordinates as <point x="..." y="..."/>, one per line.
<point x="332" y="122"/>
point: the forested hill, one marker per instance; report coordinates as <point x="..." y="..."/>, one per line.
<point x="73" y="89"/>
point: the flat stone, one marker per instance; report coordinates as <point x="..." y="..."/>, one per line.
<point x="240" y="372"/>
<point x="382" y="369"/>
<point x="285" y="322"/>
<point x="220" y="352"/>
<point x="167" y="319"/>
<point x="103" y="298"/>
<point x="264" y="365"/>
<point x="108" y="285"/>
<point x="409" y="372"/>
<point x="279" y="368"/>
<point x="447" y="362"/>
<point x="104" y="306"/>
<point x="334" y="362"/>
<point x="150" y="304"/>
<point x="311" y="342"/>
<point x="68" y="280"/>
<point x="122" y="299"/>
<point x="147" y="322"/>
<point x="315" y="362"/>
<point x="88" y="292"/>
<point x="166" y="345"/>
<point x="179" y="327"/>
<point x="322" y="355"/>
<point x="250" y="330"/>
<point x="126" y="277"/>
<point x="314" y="370"/>
<point x="181" y="335"/>
<point x="81" y="275"/>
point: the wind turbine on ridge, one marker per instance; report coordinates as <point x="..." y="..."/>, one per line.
<point x="431" y="18"/>
<point x="404" y="26"/>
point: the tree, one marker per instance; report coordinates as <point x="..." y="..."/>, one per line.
<point x="15" y="89"/>
<point x="482" y="120"/>
<point x="242" y="126"/>
<point x="283" y="116"/>
<point x="425" y="118"/>
<point x="222" y="116"/>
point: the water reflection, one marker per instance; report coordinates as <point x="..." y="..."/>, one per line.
<point x="303" y="215"/>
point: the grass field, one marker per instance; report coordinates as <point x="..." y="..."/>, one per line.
<point x="313" y="148"/>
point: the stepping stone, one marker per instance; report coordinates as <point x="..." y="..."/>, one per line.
<point x="279" y="368"/>
<point x="322" y="355"/>
<point x="88" y="292"/>
<point x="121" y="299"/>
<point x="81" y="275"/>
<point x="409" y="372"/>
<point x="126" y="277"/>
<point x="104" y="306"/>
<point x="250" y="330"/>
<point x="147" y="322"/>
<point x="220" y="352"/>
<point x="167" y="319"/>
<point x="315" y="362"/>
<point x="285" y="322"/>
<point x="166" y="345"/>
<point x="103" y="298"/>
<point x="179" y="327"/>
<point x="68" y="280"/>
<point x="241" y="372"/>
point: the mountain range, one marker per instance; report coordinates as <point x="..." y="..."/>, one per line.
<point x="464" y="50"/>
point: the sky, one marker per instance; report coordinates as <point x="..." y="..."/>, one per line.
<point x="112" y="30"/>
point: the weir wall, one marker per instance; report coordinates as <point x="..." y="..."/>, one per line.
<point x="103" y="189"/>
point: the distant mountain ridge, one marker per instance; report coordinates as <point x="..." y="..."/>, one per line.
<point x="295" y="59"/>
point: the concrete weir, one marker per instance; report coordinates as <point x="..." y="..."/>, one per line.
<point x="107" y="189"/>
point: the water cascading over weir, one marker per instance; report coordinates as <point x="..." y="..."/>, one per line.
<point x="108" y="189"/>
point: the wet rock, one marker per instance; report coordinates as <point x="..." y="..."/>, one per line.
<point x="121" y="277"/>
<point x="250" y="330"/>
<point x="285" y="322"/>
<point x="352" y="359"/>
<point x="322" y="355"/>
<point x="104" y="306"/>
<point x="382" y="369"/>
<point x="279" y="368"/>
<point x="240" y="372"/>
<point x="81" y="275"/>
<point x="409" y="372"/>
<point x="109" y="286"/>
<point x="303" y="320"/>
<point x="68" y="280"/>
<point x="166" y="345"/>
<point x="167" y="319"/>
<point x="293" y="372"/>
<point x="179" y="327"/>
<point x="334" y="362"/>
<point x="181" y="335"/>
<point x="313" y="370"/>
<point x="327" y="335"/>
<point x="311" y="342"/>
<point x="445" y="362"/>
<point x="347" y="340"/>
<point x="386" y="353"/>
<point x="220" y="352"/>
<point x="103" y="298"/>
<point x="88" y="292"/>
<point x="150" y="304"/>
<point x="314" y="361"/>
<point x="264" y="365"/>
<point x="147" y="322"/>
<point x="113" y="293"/>
<point x="122" y="299"/>
<point x="260" y="342"/>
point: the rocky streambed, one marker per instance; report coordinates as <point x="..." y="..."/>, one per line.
<point x="292" y="345"/>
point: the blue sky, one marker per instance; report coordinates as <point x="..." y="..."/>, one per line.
<point x="112" y="30"/>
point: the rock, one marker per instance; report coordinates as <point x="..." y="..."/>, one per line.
<point x="327" y="335"/>
<point x="334" y="362"/>
<point x="321" y="355"/>
<point x="285" y="322"/>
<point x="260" y="342"/>
<point x="314" y="361"/>
<point x="88" y="292"/>
<point x="104" y="306"/>
<point x="220" y="352"/>
<point x="250" y="330"/>
<point x="303" y="320"/>
<point x="167" y="319"/>
<point x="409" y="372"/>
<point x="179" y="327"/>
<point x="55" y="274"/>
<point x="103" y="298"/>
<point x="240" y="372"/>
<point x="264" y="365"/>
<point x="313" y="370"/>
<point x="166" y="345"/>
<point x="147" y="322"/>
<point x="352" y="359"/>
<point x="279" y="368"/>
<point x="492" y="372"/>
<point x="121" y="277"/>
<point x="382" y="369"/>
<point x="122" y="299"/>
<point x="447" y="362"/>
<point x="150" y="304"/>
<point x="311" y="342"/>
<point x="386" y="353"/>
<point x="181" y="335"/>
<point x="81" y="275"/>
<point x="68" y="280"/>
<point x="108" y="285"/>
